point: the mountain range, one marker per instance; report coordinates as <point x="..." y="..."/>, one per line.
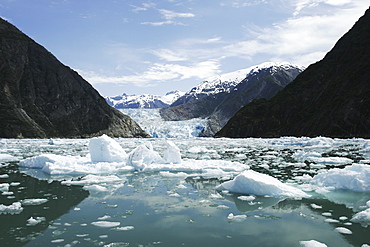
<point x="330" y="98"/>
<point x="143" y="101"/>
<point x="220" y="97"/>
<point x="42" y="98"/>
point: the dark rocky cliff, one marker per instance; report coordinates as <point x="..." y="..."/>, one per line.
<point x="330" y="98"/>
<point x="220" y="107"/>
<point x="41" y="98"/>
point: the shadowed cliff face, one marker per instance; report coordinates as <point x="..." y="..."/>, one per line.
<point x="40" y="97"/>
<point x="330" y="98"/>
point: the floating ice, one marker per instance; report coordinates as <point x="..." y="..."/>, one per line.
<point x="172" y="153"/>
<point x="106" y="149"/>
<point x="29" y="202"/>
<point x="237" y="218"/>
<point x="355" y="177"/>
<point x="34" y="221"/>
<point x="362" y="217"/>
<point x="125" y="228"/>
<point x="7" y="157"/>
<point x="4" y="176"/>
<point x="105" y="224"/>
<point x="142" y="156"/>
<point x="343" y="230"/>
<point x="312" y="243"/>
<point x="4" y="187"/>
<point x="254" y="183"/>
<point x="14" y="208"/>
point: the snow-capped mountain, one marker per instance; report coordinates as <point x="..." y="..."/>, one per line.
<point x="220" y="97"/>
<point x="143" y="101"/>
<point x="227" y="82"/>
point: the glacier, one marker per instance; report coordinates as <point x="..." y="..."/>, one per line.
<point x="151" y="121"/>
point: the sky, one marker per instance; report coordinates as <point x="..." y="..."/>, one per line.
<point x="157" y="46"/>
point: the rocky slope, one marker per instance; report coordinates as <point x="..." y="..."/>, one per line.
<point x="221" y="97"/>
<point x="146" y="101"/>
<point x="41" y="98"/>
<point x="330" y="98"/>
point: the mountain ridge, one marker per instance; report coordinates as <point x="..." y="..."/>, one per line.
<point x="218" y="100"/>
<point x="330" y="98"/>
<point x="144" y="101"/>
<point x="42" y="98"/>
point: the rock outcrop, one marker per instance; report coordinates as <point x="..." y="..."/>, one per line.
<point x="42" y="98"/>
<point x="330" y="98"/>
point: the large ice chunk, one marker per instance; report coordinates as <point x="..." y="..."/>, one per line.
<point x="106" y="149"/>
<point x="14" y="208"/>
<point x="253" y="183"/>
<point x="355" y="177"/>
<point x="172" y="153"/>
<point x="142" y="156"/>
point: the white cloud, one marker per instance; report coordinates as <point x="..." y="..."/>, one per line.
<point x="158" y="73"/>
<point x="169" y="14"/>
<point x="306" y="37"/>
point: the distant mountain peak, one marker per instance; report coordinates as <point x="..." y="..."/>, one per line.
<point x="125" y="101"/>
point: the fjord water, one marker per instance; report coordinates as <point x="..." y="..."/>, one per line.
<point x="180" y="206"/>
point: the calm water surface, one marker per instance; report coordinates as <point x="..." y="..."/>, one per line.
<point x="170" y="209"/>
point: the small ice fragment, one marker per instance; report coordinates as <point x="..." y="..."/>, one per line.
<point x="328" y="214"/>
<point x="4" y="176"/>
<point x="246" y="198"/>
<point x="343" y="218"/>
<point x="105" y="224"/>
<point x="34" y="221"/>
<point x="105" y="217"/>
<point x="224" y="207"/>
<point x="315" y="206"/>
<point x="103" y="236"/>
<point x="343" y="230"/>
<point x="125" y="228"/>
<point x="56" y="241"/>
<point x="311" y="243"/>
<point x="331" y="220"/>
<point x="237" y="218"/>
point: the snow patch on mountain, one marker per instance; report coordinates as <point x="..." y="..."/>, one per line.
<point x="125" y="101"/>
<point x="227" y="82"/>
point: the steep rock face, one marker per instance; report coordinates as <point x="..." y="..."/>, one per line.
<point x="40" y="97"/>
<point x="220" y="100"/>
<point x="330" y="98"/>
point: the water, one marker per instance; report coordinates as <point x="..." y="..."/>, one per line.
<point x="168" y="208"/>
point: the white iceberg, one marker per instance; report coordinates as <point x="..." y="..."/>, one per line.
<point x="14" y="208"/>
<point x="355" y="177"/>
<point x="254" y="183"/>
<point x="142" y="156"/>
<point x="172" y="153"/>
<point x="106" y="149"/>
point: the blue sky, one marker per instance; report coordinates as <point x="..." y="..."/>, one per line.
<point x="135" y="46"/>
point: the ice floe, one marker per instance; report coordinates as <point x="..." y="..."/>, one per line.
<point x="312" y="243"/>
<point x="105" y="149"/>
<point x="355" y="177"/>
<point x="253" y="183"/>
<point x="14" y="208"/>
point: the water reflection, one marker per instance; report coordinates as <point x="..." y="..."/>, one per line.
<point x="60" y="199"/>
